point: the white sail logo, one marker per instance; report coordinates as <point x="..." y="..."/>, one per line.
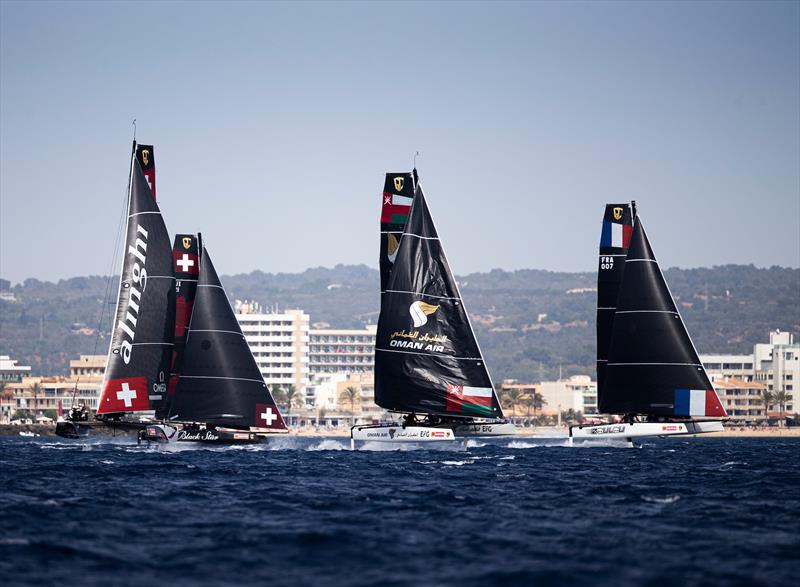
<point x="139" y="277"/>
<point x="420" y="311"/>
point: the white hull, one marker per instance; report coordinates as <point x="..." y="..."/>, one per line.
<point x="485" y="429"/>
<point x="399" y="433"/>
<point x="642" y="429"/>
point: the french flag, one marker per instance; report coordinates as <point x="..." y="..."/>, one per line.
<point x="616" y="235"/>
<point x="698" y="402"/>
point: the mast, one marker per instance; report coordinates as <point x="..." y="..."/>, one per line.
<point x="427" y="359"/>
<point x="653" y="368"/>
<point x="141" y="342"/>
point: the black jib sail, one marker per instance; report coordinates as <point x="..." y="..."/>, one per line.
<point x="186" y="266"/>
<point x="653" y="367"/>
<point x="427" y="359"/>
<point x="398" y="193"/>
<point x="141" y="343"/>
<point x="615" y="238"/>
<point x="220" y="382"/>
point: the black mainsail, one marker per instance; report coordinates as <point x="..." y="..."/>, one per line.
<point x="653" y="368"/>
<point x="220" y="382"/>
<point x="141" y="344"/>
<point x="398" y="193"/>
<point x="427" y="359"/>
<point x="615" y="238"/>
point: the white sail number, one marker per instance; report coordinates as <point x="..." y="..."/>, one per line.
<point x="606" y="263"/>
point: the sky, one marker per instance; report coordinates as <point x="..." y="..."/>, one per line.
<point x="274" y="124"/>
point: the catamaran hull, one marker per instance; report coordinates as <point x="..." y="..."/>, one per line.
<point x="401" y="434"/>
<point x="164" y="434"/>
<point x="73" y="430"/>
<point x="485" y="429"/>
<point x="628" y="431"/>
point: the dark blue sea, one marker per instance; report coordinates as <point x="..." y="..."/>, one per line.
<point x="307" y="511"/>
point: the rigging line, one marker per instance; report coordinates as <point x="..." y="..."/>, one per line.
<point x="122" y="220"/>
<point x="419" y="293"/>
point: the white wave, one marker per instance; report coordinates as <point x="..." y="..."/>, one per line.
<point x="14" y="541"/>
<point x="457" y="463"/>
<point x="525" y="444"/>
<point x="470" y="443"/>
<point x="661" y="499"/>
<point x="329" y="444"/>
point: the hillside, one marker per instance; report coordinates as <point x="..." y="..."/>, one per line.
<point x="529" y="322"/>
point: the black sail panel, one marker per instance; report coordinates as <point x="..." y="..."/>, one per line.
<point x="427" y="359"/>
<point x="186" y="266"/>
<point x="141" y="343"/>
<point x="614" y="241"/>
<point x="653" y="367"/>
<point x="220" y="382"/>
<point x="398" y="193"/>
<point x="145" y="155"/>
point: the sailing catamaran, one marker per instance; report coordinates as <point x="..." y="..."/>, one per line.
<point x="141" y="343"/>
<point x="211" y="391"/>
<point x="647" y="367"/>
<point x="428" y="365"/>
<point x="219" y="391"/>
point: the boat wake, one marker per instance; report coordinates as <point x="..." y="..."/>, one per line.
<point x="660" y="499"/>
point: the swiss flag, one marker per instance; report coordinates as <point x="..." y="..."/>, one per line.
<point x="185" y="263"/>
<point x="124" y="395"/>
<point x="268" y="416"/>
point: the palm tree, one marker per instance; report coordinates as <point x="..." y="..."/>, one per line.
<point x="512" y="398"/>
<point x="538" y="401"/>
<point x="291" y="393"/>
<point x="780" y="398"/>
<point x="279" y="395"/>
<point x="36" y="389"/>
<point x="349" y="395"/>
<point x="768" y="398"/>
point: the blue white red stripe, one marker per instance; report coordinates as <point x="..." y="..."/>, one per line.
<point x="616" y="235"/>
<point x="697" y="402"/>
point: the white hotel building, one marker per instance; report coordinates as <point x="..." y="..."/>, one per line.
<point x="343" y="351"/>
<point x="279" y="343"/>
<point x="775" y="364"/>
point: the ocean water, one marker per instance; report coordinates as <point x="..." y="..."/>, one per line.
<point x="308" y="511"/>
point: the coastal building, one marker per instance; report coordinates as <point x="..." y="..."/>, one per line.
<point x="10" y="371"/>
<point x="88" y="368"/>
<point x="279" y="342"/>
<point x="342" y="351"/>
<point x="777" y="365"/>
<point x="577" y="393"/>
<point x="742" y="400"/>
<point x="735" y="366"/>
<point x="34" y="397"/>
<point x="330" y="393"/>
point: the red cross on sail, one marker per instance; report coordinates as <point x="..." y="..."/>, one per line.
<point x="124" y="395"/>
<point x="268" y="416"/>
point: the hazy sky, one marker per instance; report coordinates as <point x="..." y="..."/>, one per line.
<point x="274" y="125"/>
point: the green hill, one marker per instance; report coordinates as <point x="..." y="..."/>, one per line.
<point x="529" y="322"/>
